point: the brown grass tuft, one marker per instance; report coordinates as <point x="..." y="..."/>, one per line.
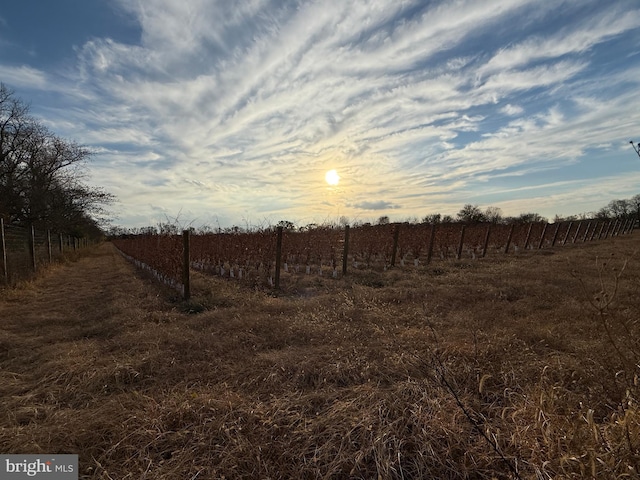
<point x="504" y="367"/>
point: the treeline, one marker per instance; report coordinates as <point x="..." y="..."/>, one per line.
<point x="469" y="214"/>
<point x="616" y="209"/>
<point x="41" y="177"/>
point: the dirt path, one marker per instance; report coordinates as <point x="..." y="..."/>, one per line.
<point x="76" y="298"/>
<point x="55" y="335"/>
<point x="82" y="281"/>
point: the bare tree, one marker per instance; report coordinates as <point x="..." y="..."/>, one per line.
<point x="471" y="214"/>
<point x="530" y="217"/>
<point x="619" y="208"/>
<point x="432" y="218"/>
<point x="493" y="214"/>
<point x="40" y="175"/>
<point x="15" y="126"/>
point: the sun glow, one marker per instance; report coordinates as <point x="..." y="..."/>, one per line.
<point x="332" y="177"/>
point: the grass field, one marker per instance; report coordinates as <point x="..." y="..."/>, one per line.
<point x="516" y="366"/>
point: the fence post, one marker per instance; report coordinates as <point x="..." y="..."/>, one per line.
<point x="626" y="227"/>
<point x="623" y="227"/>
<point x="595" y="229"/>
<point x="614" y="229"/>
<point x="575" y="237"/>
<point x="614" y="223"/>
<point x="49" y="245"/>
<point x="586" y="233"/>
<point x="60" y="243"/>
<point x="555" y="234"/>
<point x="3" y="245"/>
<point x="345" y="252"/>
<point x="459" y="254"/>
<point x="431" y="239"/>
<point x="186" y="265"/>
<point x="278" y="258"/>
<point x="506" y="248"/>
<point x="526" y="241"/>
<point x="544" y="230"/>
<point x="566" y="235"/>
<point x="396" y="234"/>
<point x="486" y="241"/>
<point x="619" y="227"/>
<point x="32" y="248"/>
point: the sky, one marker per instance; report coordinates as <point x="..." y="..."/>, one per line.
<point x="218" y="113"/>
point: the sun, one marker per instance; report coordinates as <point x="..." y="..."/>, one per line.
<point x="332" y="177"/>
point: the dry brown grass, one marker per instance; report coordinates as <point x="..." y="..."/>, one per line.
<point x="507" y="367"/>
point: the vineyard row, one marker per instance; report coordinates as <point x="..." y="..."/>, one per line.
<point x="262" y="257"/>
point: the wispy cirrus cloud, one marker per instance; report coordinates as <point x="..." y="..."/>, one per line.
<point x="573" y="39"/>
<point x="24" y="75"/>
<point x="242" y="106"/>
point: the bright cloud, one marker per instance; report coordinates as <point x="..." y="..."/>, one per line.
<point x="234" y="110"/>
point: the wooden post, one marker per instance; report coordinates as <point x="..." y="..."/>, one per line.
<point x="601" y="230"/>
<point x="623" y="227"/>
<point x="620" y="227"/>
<point x="49" y="245"/>
<point x="462" y="230"/>
<point x="626" y="226"/>
<point x="526" y="242"/>
<point x="506" y="248"/>
<point x="431" y="240"/>
<point x="544" y="230"/>
<point x="593" y="234"/>
<point x="3" y="245"/>
<point x="186" y="265"/>
<point x="575" y="237"/>
<point x="555" y="235"/>
<point x="396" y="234"/>
<point x="614" y="232"/>
<point x="345" y="251"/>
<point x="566" y="235"/>
<point x="32" y="248"/>
<point x="278" y="258"/>
<point x="60" y="243"/>
<point x="606" y="232"/>
<point x="486" y="241"/>
<point x="586" y="233"/>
